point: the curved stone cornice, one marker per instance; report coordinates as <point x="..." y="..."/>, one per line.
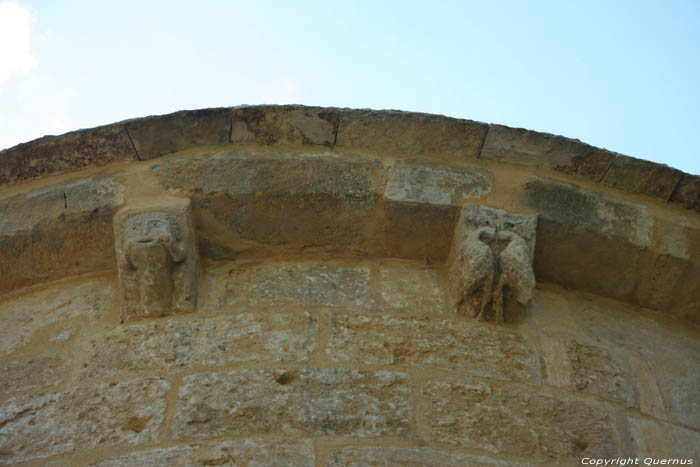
<point x="365" y="131"/>
<point x="267" y="181"/>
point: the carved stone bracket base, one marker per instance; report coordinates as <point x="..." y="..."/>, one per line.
<point x="157" y="259"/>
<point x="491" y="261"/>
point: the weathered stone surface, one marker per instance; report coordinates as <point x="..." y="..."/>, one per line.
<point x="222" y="287"/>
<point x="491" y="261"/>
<point x="574" y="366"/>
<point x="157" y="259"/>
<point x="513" y="420"/>
<point x="684" y="296"/>
<point x="425" y="182"/>
<point x="668" y="388"/>
<point x="409" y="134"/>
<point x="667" y="275"/>
<point x="239" y="452"/>
<point x="312" y="284"/>
<point x="103" y="414"/>
<point x="525" y="147"/>
<point x="417" y="231"/>
<point x="468" y="347"/>
<point x="576" y="207"/>
<point x="327" y="401"/>
<point x="648" y="393"/>
<point x="407" y="288"/>
<point x="237" y="173"/>
<point x="286" y="124"/>
<point x="661" y="356"/>
<point x="677" y="237"/>
<point x="241" y="202"/>
<point x="28" y="373"/>
<point x="593" y="242"/>
<point x="61" y="230"/>
<point x="63" y="335"/>
<point x="640" y="176"/>
<point x="586" y="239"/>
<point x="684" y="394"/>
<point x="22" y="213"/>
<point x="72" y="151"/>
<point x="661" y="440"/>
<point x="419" y="207"/>
<point x="164" y="134"/>
<point x="403" y="457"/>
<point x="687" y="193"/>
<point x="212" y="341"/>
<point x="663" y="280"/>
<point x="24" y="316"/>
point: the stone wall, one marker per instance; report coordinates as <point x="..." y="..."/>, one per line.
<point x="322" y="324"/>
<point x="333" y="362"/>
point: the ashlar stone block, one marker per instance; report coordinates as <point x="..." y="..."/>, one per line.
<point x="157" y="259"/>
<point x="313" y="401"/>
<point x="578" y="366"/>
<point x="222" y="339"/>
<point x="491" y="261"/>
<point x="102" y="414"/>
<point x="429" y="343"/>
<point x="430" y="183"/>
<point x="28" y="373"/>
<point x="257" y="452"/>
<point x="516" y="421"/>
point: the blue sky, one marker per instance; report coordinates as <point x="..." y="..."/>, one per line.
<point x="623" y="75"/>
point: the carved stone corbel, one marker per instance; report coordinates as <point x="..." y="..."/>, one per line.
<point x="157" y="259"/>
<point x="491" y="262"/>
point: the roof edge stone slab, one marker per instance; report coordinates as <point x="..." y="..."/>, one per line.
<point x="385" y="132"/>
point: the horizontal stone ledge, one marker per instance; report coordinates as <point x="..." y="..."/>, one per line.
<point x="527" y="147"/>
<point x="246" y="201"/>
<point x="50" y="155"/>
<point x="267" y="204"/>
<point x="687" y="192"/>
<point x="233" y="172"/>
<point x="287" y="124"/>
<point x="437" y="184"/>
<point x="61" y="230"/>
<point x="156" y="136"/>
<point x="384" y="133"/>
<point x="640" y="176"/>
<point x="409" y="134"/>
<point x="589" y="210"/>
<point x="590" y="241"/>
<point x="242" y="203"/>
